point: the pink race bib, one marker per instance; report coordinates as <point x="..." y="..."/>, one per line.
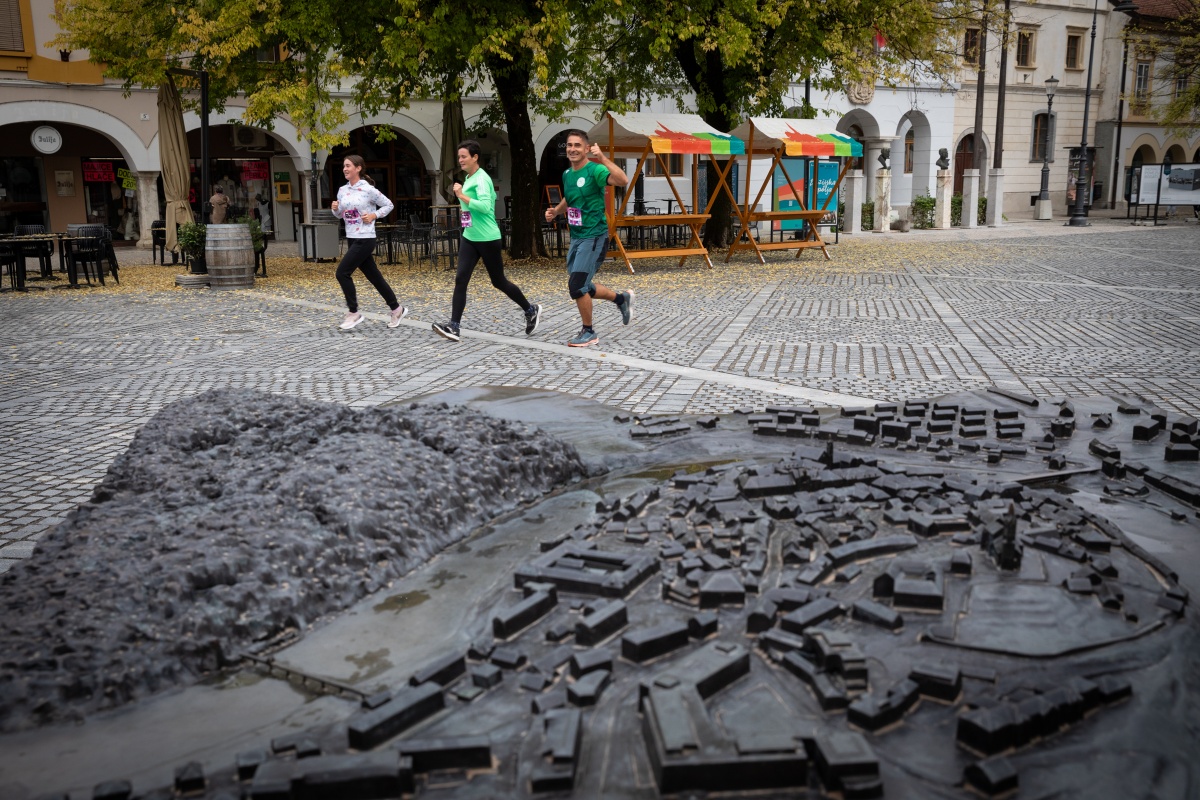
<point x="466" y="219"/>
<point x="574" y="217"/>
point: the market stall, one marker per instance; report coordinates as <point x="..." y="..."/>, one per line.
<point x="796" y="200"/>
<point x="658" y="136"/>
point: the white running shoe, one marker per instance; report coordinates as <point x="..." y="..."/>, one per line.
<point x="394" y="318"/>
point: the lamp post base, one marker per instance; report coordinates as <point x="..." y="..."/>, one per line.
<point x="1077" y="221"/>
<point x="1042" y="210"/>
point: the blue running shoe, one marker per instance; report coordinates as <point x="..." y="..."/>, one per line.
<point x="626" y="306"/>
<point x="585" y="338"/>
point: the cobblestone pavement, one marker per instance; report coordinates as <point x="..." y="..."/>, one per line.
<point x="1035" y="308"/>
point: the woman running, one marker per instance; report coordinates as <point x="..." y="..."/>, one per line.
<point x="360" y="204"/>
<point x="480" y="239"/>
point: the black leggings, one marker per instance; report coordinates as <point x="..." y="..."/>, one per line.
<point x="360" y="254"/>
<point x="469" y="254"/>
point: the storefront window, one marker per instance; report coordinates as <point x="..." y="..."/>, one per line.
<point x="110" y="196"/>
<point x="22" y="193"/>
<point x="245" y="181"/>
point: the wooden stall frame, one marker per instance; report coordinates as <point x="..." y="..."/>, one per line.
<point x="693" y="221"/>
<point x="747" y="214"/>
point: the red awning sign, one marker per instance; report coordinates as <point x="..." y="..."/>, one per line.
<point x="98" y="172"/>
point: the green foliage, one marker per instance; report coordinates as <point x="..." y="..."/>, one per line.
<point x="956" y="210"/>
<point x="1175" y="50"/>
<point x="192" y="236"/>
<point x="922" y="210"/>
<point x="868" y="215"/>
<point x="139" y="42"/>
<point x="256" y="231"/>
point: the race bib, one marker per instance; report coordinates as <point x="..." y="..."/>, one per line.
<point x="351" y="216"/>
<point x="466" y="219"/>
<point x="574" y="217"/>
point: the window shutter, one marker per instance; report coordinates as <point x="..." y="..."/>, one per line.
<point x="12" y="37"/>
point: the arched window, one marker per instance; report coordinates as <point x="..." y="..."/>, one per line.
<point x="1042" y="137"/>
<point x="856" y="133"/>
<point x="909" y="148"/>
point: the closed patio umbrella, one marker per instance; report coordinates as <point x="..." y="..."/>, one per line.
<point x="173" y="155"/>
<point x="454" y="130"/>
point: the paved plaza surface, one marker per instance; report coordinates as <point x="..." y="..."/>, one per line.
<point x="1031" y="307"/>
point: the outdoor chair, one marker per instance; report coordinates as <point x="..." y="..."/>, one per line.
<point x="42" y="251"/>
<point x="9" y="259"/>
<point x="443" y="244"/>
<point x="108" y="254"/>
<point x="260" y="258"/>
<point x="158" y="241"/>
<point x="86" y="251"/>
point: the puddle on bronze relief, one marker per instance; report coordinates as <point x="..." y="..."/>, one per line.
<point x="398" y="602"/>
<point x="664" y="473"/>
<point x="440" y="578"/>
<point x="370" y="664"/>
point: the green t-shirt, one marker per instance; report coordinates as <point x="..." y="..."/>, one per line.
<point x="584" y="190"/>
<point x="480" y="225"/>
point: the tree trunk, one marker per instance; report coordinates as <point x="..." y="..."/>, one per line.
<point x="718" y="231"/>
<point x="512" y="87"/>
<point x="706" y="73"/>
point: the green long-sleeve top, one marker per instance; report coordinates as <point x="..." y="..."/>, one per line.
<point x="479" y="211"/>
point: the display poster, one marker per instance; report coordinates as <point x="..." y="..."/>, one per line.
<point x="1180" y="185"/>
<point x="1089" y="175"/>
<point x="64" y="182"/>
<point x="98" y="172"/>
<point x="787" y="198"/>
<point x="1148" y="186"/>
<point x="128" y="182"/>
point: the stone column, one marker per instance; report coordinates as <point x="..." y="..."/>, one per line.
<point x="970" y="196"/>
<point x="941" y="209"/>
<point x="883" y="200"/>
<point x="853" y="199"/>
<point x="995" y="196"/>
<point x="306" y="187"/>
<point x="1043" y="209"/>
<point x="147" y="194"/>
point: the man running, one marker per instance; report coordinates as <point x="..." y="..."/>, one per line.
<point x="583" y="202"/>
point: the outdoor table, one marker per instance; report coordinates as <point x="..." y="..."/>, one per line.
<point x="64" y="263"/>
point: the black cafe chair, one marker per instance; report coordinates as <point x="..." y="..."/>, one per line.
<point x="85" y="250"/>
<point x="12" y="262"/>
<point x="41" y="250"/>
<point x="260" y="258"/>
<point x="158" y="241"/>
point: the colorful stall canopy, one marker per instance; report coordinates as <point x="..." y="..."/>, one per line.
<point x="799" y="137"/>
<point x="668" y="133"/>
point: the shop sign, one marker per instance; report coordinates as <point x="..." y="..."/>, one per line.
<point x="98" y="172"/>
<point x="126" y="178"/>
<point x="46" y="139"/>
<point x="254" y="171"/>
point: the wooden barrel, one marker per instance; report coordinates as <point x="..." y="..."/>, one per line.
<point x="229" y="255"/>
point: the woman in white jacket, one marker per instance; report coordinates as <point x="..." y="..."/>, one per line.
<point x="360" y="204"/>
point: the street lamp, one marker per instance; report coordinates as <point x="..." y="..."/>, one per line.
<point x="1130" y="8"/>
<point x="1078" y="214"/>
<point x="1043" y="210"/>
